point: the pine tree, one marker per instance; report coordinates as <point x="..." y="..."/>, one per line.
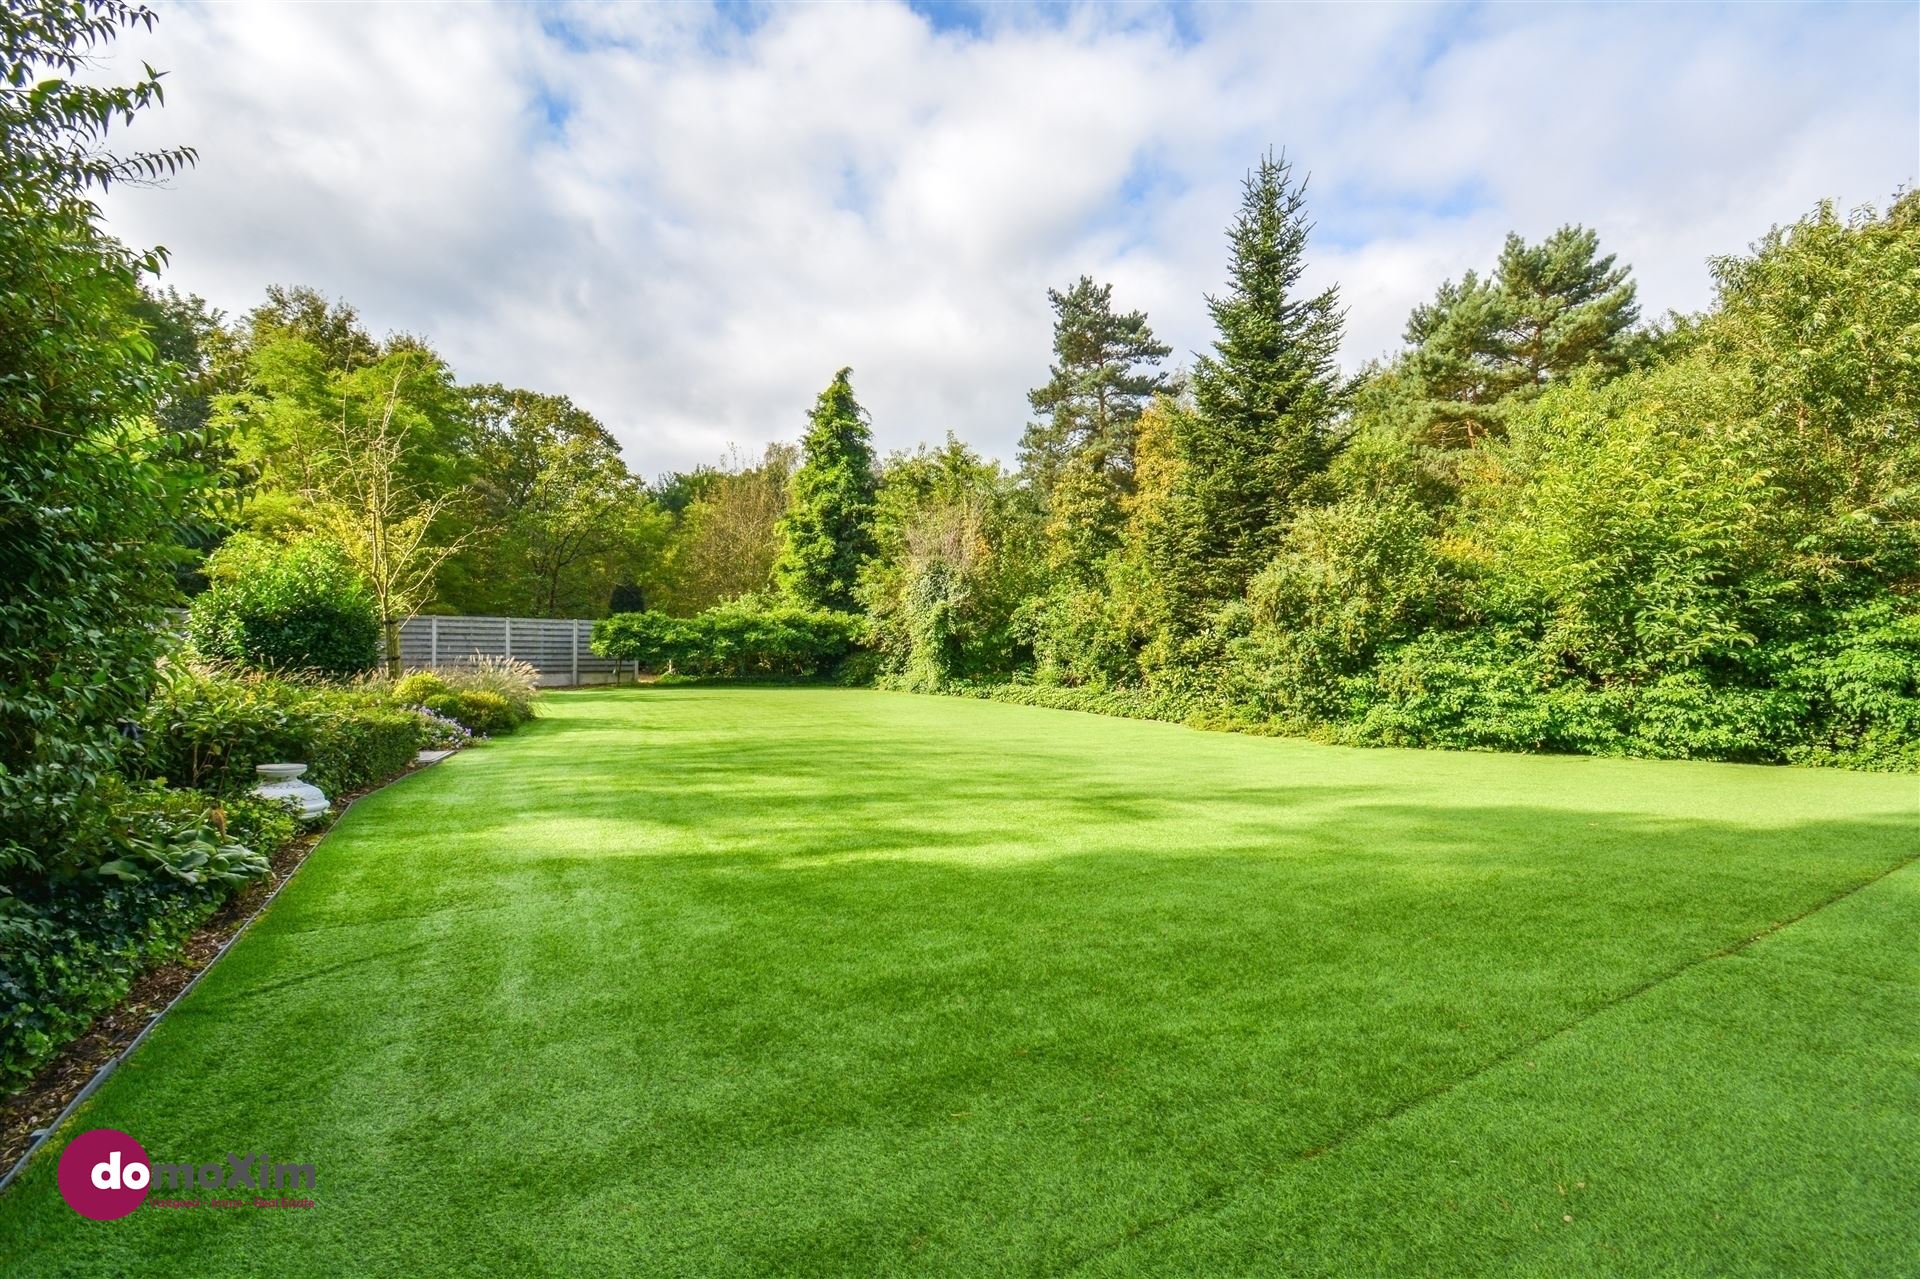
<point x="827" y="532"/>
<point x="1548" y="309"/>
<point x="1078" y="457"/>
<point x="1265" y="401"/>
<point x="1102" y="378"/>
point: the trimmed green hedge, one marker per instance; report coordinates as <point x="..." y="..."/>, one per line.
<point x="209" y="730"/>
<point x="744" y="639"/>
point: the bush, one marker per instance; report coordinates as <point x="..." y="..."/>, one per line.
<point x="351" y="743"/>
<point x="415" y="687"/>
<point x="514" y="682"/>
<point x="75" y="950"/>
<point x="95" y="497"/>
<point x="72" y="946"/>
<point x="743" y="639"/>
<point x="298" y="607"/>
<point x="441" y="732"/>
<point x="209" y="729"/>
<point x="487" y="714"/>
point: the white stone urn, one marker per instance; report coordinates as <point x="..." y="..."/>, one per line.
<point x="283" y="782"/>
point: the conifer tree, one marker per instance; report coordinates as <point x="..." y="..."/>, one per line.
<point x="1102" y="377"/>
<point x="1078" y="457"/>
<point x="827" y="532"/>
<point x="1265" y="402"/>
<point x="1548" y="309"/>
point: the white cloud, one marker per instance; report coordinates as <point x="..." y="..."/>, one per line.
<point x="688" y="223"/>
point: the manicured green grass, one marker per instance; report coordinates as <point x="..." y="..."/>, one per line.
<point x="803" y="981"/>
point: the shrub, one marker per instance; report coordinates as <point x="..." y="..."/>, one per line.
<point x="514" y="682"/>
<point x="298" y="607"/>
<point x="94" y="497"/>
<point x="71" y="946"/>
<point x="75" y="949"/>
<point x="415" y="687"/>
<point x="178" y="835"/>
<point x="351" y="743"/>
<point x="441" y="732"/>
<point x="209" y="729"/>
<point x="743" y="639"/>
<point x="487" y="714"/>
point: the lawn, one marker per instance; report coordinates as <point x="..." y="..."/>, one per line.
<point x="804" y="981"/>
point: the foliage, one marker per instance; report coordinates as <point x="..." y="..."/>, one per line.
<point x="1547" y="310"/>
<point x="727" y="531"/>
<point x="75" y="952"/>
<point x="1265" y="404"/>
<point x="298" y="607"/>
<point x="826" y="535"/>
<point x="514" y="682"/>
<point x="944" y="592"/>
<point x="208" y="729"/>
<point x="1079" y="457"/>
<point x="743" y="639"/>
<point x="94" y="496"/>
<point x="480" y="712"/>
<point x="566" y="522"/>
<point x="441" y="732"/>
<point x="71" y="946"/>
<point x="1543" y="528"/>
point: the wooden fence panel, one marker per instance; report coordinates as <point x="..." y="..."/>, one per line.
<point x="555" y="646"/>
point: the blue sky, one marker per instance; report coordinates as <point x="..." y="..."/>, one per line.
<point x="688" y="217"/>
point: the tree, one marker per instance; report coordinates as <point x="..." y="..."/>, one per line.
<point x="285" y="606"/>
<point x="94" y="495"/>
<point x="1266" y="399"/>
<point x="1101" y="379"/>
<point x="728" y="536"/>
<point x="331" y="326"/>
<point x="827" y="532"/>
<point x="1548" y="309"/>
<point x="360" y="494"/>
<point x="562" y="517"/>
<point x="1079" y="457"/>
<point x="944" y="591"/>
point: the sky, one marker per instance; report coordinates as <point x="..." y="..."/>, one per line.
<point x="688" y="217"/>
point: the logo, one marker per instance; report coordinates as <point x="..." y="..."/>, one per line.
<point x="104" y="1174"/>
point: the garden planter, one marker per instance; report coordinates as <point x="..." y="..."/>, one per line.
<point x="283" y="783"/>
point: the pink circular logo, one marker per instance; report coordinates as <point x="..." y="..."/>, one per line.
<point x="104" y="1174"/>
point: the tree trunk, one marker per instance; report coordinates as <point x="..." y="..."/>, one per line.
<point x="391" y="626"/>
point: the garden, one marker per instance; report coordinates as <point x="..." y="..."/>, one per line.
<point x="1456" y="815"/>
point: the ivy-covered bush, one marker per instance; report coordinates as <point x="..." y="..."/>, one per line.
<point x="742" y="639"/>
<point x="285" y="607"/>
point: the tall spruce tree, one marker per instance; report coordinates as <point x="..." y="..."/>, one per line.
<point x="1266" y="400"/>
<point x="827" y="532"/>
<point x="1547" y="309"/>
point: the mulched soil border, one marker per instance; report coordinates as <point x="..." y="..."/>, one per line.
<point x="77" y="1070"/>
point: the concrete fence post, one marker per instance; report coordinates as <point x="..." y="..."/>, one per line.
<point x="573" y="629"/>
<point x="509" y="623"/>
<point x="433" y="642"/>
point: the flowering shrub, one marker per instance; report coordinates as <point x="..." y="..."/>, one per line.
<point x="440" y="732"/>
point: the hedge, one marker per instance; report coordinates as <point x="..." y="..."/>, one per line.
<point x="744" y="639"/>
